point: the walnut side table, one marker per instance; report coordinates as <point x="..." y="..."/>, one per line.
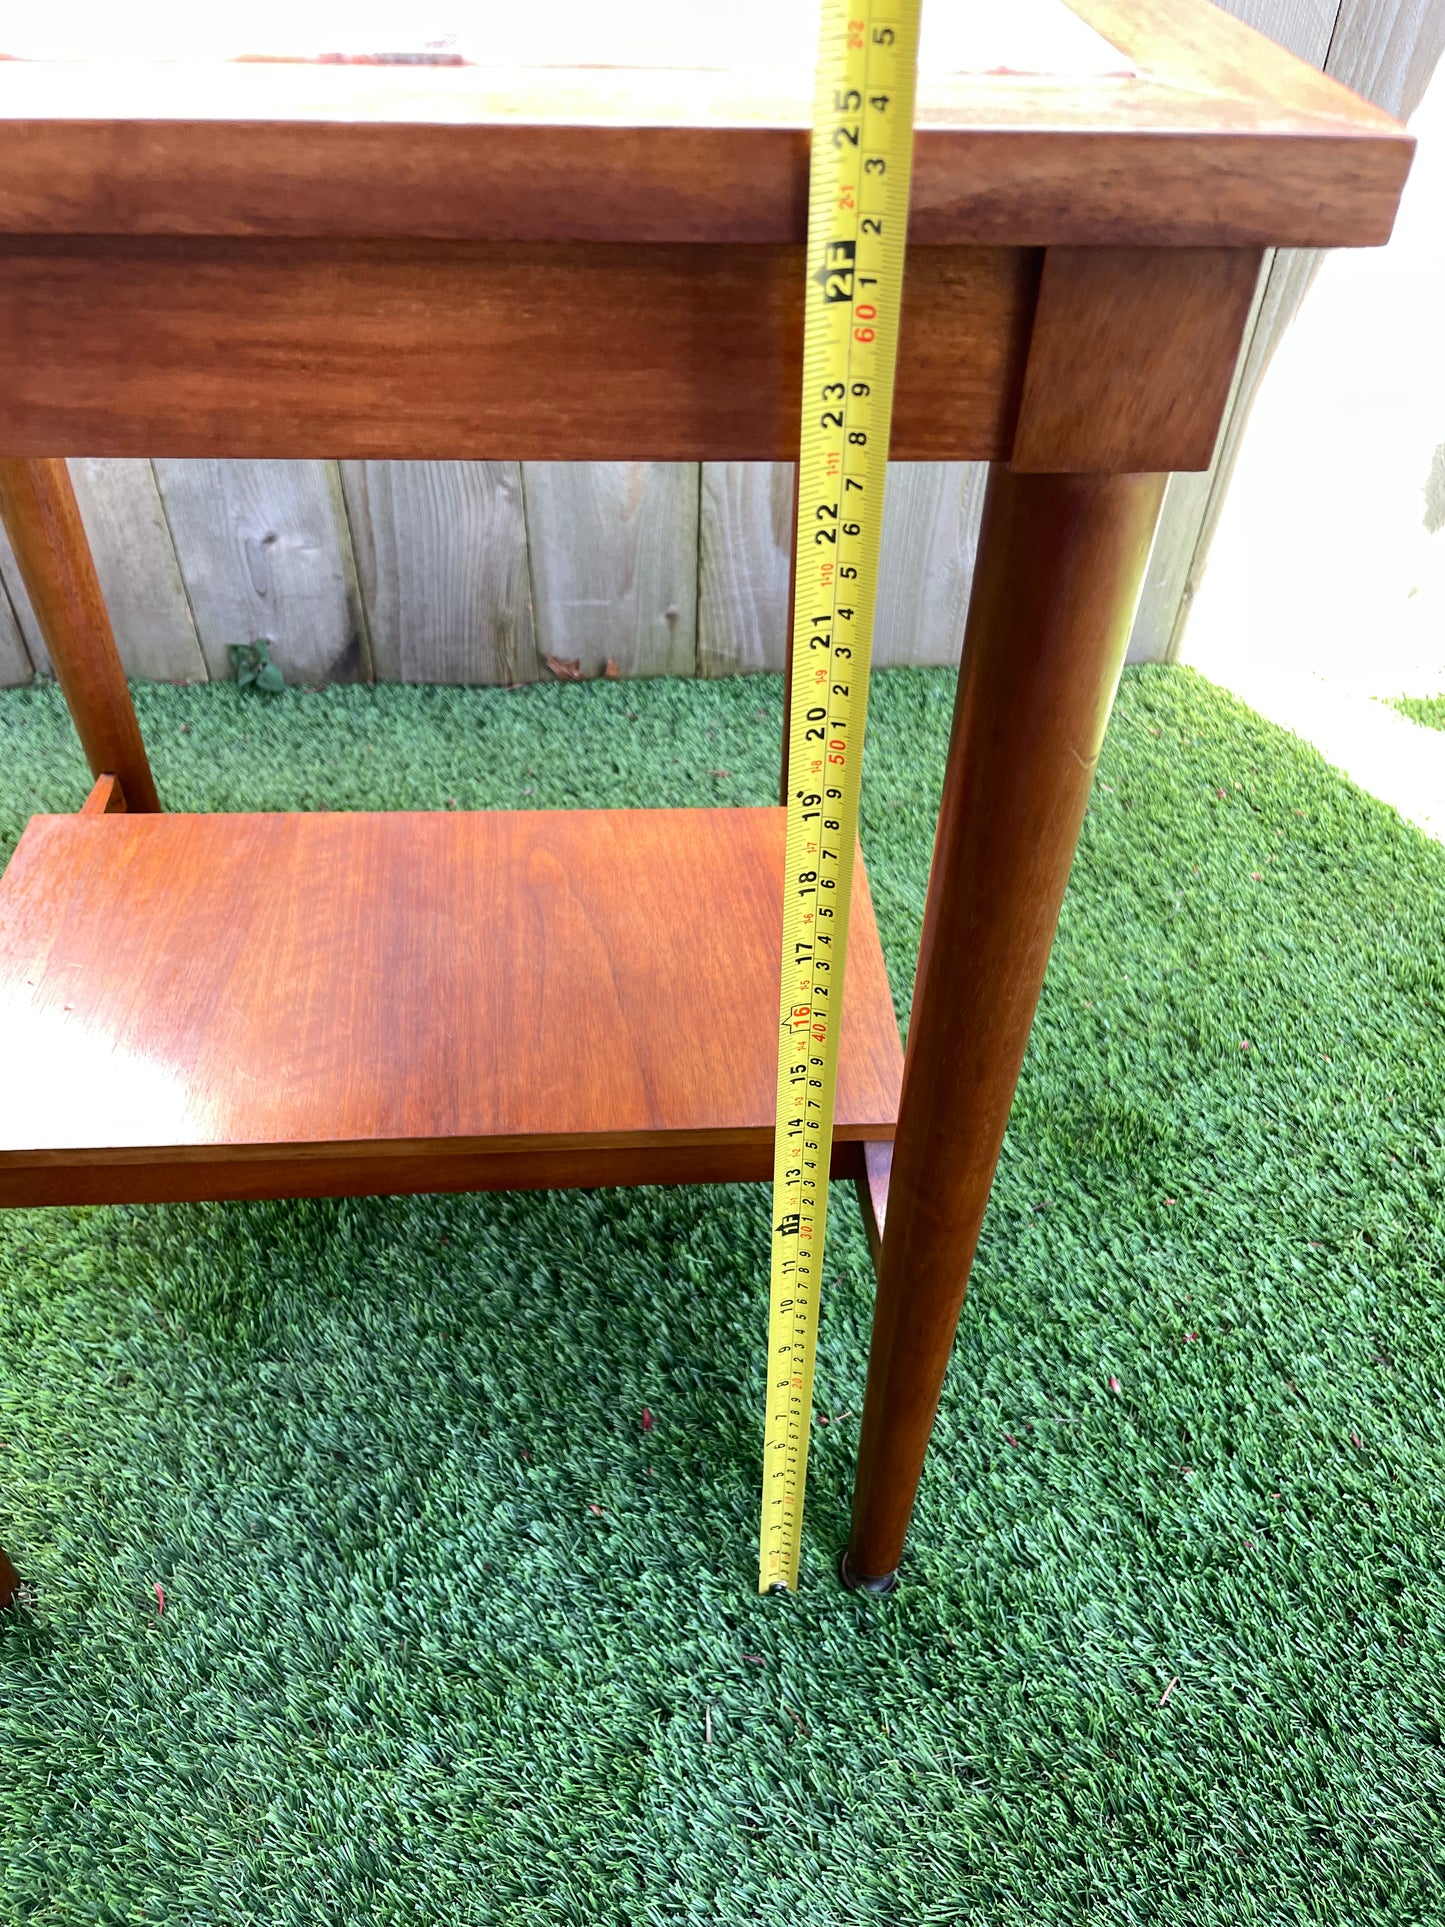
<point x="369" y="261"/>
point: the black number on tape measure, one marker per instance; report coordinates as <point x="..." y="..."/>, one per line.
<point x="835" y="277"/>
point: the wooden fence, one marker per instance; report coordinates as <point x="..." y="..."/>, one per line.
<point x="496" y="571"/>
<point x="480" y="572"/>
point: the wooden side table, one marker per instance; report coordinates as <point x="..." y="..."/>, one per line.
<point x="372" y="261"/>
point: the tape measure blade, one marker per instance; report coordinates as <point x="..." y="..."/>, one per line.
<point x="858" y="205"/>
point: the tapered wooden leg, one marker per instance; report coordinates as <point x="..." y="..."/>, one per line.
<point x="40" y="514"/>
<point x="9" y="1580"/>
<point x="1060" y="561"/>
<point x="871" y="1184"/>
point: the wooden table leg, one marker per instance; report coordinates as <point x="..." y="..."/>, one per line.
<point x="1060" y="561"/>
<point x="38" y="506"/>
<point x="9" y="1580"/>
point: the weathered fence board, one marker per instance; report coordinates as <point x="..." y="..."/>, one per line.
<point x="140" y="578"/>
<point x="14" y="656"/>
<point x="614" y="556"/>
<point x="1304" y="26"/>
<point x="745" y="542"/>
<point x="264" y="552"/>
<point x="1168" y="589"/>
<point x="441" y="555"/>
<point x="27" y="630"/>
<point x="1386" y="50"/>
<point x="930" y="534"/>
<point x="930" y="537"/>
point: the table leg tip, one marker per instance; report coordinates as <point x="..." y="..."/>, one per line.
<point x="875" y="1585"/>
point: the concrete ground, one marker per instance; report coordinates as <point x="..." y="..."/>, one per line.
<point x="1325" y="592"/>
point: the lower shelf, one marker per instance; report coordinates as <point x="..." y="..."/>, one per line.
<point x="329" y="1005"/>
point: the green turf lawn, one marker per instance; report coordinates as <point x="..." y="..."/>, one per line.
<point x="1429" y="710"/>
<point x="444" y="1625"/>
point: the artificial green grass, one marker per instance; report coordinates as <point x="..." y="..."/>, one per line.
<point x="447" y="1625"/>
<point x="1429" y="710"/>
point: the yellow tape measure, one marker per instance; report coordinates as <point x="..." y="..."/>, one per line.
<point x="857" y="225"/>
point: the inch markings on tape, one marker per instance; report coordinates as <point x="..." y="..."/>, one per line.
<point x="857" y="224"/>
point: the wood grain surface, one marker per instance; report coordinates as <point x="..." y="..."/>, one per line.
<point x="517" y="352"/>
<point x="872" y="1184"/>
<point x="106" y="798"/>
<point x="744" y="565"/>
<point x="394" y="1170"/>
<point x="16" y="667"/>
<point x="1059" y="564"/>
<point x="613" y="552"/>
<point x="441" y="554"/>
<point x="1197" y="132"/>
<point x="745" y="551"/>
<point x="1131" y="358"/>
<point x="135" y="563"/>
<point x="188" y="991"/>
<point x="42" y="519"/>
<point x="265" y="554"/>
<point x="931" y="514"/>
